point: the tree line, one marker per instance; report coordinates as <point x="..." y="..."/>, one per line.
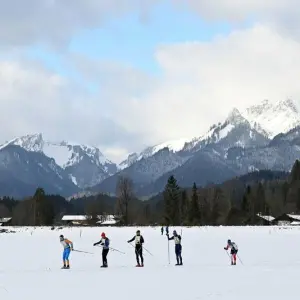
<point x="234" y="202"/>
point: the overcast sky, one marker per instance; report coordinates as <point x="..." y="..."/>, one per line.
<point x="126" y="74"/>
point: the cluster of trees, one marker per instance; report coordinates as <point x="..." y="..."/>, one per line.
<point x="235" y="202"/>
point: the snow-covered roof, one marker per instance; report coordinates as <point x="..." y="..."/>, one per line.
<point x="74" y="218"/>
<point x="295" y="223"/>
<point x="85" y="218"/>
<point x="295" y="217"/>
<point x="5" y="220"/>
<point x="267" y="218"/>
<point x="107" y="220"/>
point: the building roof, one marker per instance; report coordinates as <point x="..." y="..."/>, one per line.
<point x="5" y="220"/>
<point x="107" y="220"/>
<point x="267" y="218"/>
<point x="74" y="218"/>
<point x="102" y="218"/>
<point x="295" y="217"/>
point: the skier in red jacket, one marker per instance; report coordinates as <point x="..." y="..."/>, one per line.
<point x="233" y="251"/>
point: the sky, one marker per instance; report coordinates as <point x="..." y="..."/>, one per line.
<point x="126" y="74"/>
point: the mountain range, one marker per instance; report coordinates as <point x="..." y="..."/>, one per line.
<point x="264" y="136"/>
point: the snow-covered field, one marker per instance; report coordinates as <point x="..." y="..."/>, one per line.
<point x="30" y="262"/>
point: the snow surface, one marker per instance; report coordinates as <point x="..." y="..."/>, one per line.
<point x="224" y="132"/>
<point x="64" y="153"/>
<point x="174" y="145"/>
<point x="273" y="117"/>
<point x="30" y="264"/>
<point x="59" y="153"/>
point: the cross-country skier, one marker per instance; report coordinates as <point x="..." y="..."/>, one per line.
<point x="234" y="250"/>
<point x="104" y="242"/>
<point x="139" y="241"/>
<point x="162" y="230"/>
<point x="167" y="230"/>
<point x="178" y="248"/>
<point x="68" y="247"/>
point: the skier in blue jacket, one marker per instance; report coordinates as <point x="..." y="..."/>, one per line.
<point x="68" y="247"/>
<point x="178" y="247"/>
<point x="104" y="242"/>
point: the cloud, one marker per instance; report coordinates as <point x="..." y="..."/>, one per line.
<point x="54" y="22"/>
<point x="201" y="82"/>
<point x="282" y="15"/>
<point x="36" y="100"/>
<point x="128" y="109"/>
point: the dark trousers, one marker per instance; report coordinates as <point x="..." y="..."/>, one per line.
<point x="139" y="254"/>
<point x="104" y="256"/>
<point x="178" y="249"/>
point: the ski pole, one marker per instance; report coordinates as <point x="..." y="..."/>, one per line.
<point x="82" y="251"/>
<point x="148" y="251"/>
<point x="113" y="249"/>
<point x="143" y="247"/>
<point x="239" y="259"/>
<point x="228" y="255"/>
<point x="169" y="251"/>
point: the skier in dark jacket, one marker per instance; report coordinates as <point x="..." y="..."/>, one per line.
<point x="233" y="250"/>
<point x="139" y="241"/>
<point x="167" y="230"/>
<point x="178" y="247"/>
<point x="104" y="242"/>
<point x="162" y="230"/>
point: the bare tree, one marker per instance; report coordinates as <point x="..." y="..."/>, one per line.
<point x="125" y="195"/>
<point x="95" y="210"/>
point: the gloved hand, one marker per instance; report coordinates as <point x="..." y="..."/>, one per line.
<point x="225" y="248"/>
<point x="127" y="241"/>
<point x="94" y="244"/>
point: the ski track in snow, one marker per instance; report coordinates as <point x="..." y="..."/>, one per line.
<point x="30" y="264"/>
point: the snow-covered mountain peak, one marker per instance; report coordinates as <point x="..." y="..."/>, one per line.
<point x="30" y="142"/>
<point x="287" y="104"/>
<point x="131" y="159"/>
<point x="86" y="165"/>
<point x="172" y="145"/>
<point x="272" y="118"/>
<point x="235" y="117"/>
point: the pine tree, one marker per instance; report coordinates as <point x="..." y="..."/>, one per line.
<point x="246" y="203"/>
<point x="260" y="200"/>
<point x="293" y="202"/>
<point x="295" y="173"/>
<point x="43" y="209"/>
<point x="194" y="211"/>
<point x="38" y="199"/>
<point x="220" y="208"/>
<point x="172" y="202"/>
<point x="184" y="211"/>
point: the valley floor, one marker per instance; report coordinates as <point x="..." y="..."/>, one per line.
<point x="30" y="264"/>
